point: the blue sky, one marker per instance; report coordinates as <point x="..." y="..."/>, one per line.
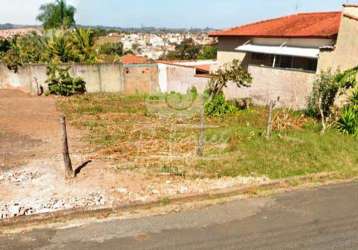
<point x="168" y="13"/>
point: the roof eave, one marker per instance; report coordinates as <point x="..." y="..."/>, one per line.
<point x="270" y="36"/>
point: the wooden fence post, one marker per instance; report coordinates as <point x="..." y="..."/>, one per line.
<point x="272" y="105"/>
<point x="201" y="142"/>
<point x="69" y="173"/>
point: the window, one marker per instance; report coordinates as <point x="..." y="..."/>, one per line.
<point x="290" y="62"/>
<point x="262" y="59"/>
<point x="285" y="62"/>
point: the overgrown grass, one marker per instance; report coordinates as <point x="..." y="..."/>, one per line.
<point x="121" y="128"/>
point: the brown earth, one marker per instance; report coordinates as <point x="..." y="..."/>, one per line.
<point x="26" y="124"/>
<point x="32" y="172"/>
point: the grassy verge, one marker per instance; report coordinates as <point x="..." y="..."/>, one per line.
<point x="126" y="130"/>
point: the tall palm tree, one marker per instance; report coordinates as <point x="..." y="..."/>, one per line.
<point x="59" y="46"/>
<point x="83" y="45"/>
<point x="57" y="15"/>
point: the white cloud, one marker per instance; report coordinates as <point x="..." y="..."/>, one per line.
<point x="23" y="11"/>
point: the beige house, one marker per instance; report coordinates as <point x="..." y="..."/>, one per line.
<point x="284" y="54"/>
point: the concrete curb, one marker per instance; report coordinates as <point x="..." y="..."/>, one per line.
<point x="65" y="215"/>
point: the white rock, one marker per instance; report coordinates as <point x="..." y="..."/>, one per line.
<point x="122" y="190"/>
<point x="154" y="191"/>
<point x="183" y="189"/>
<point x="14" y="210"/>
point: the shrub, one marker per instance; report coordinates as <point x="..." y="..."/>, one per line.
<point x="354" y="97"/>
<point x="348" y="122"/>
<point x="60" y="82"/>
<point x="229" y="73"/>
<point x="218" y="106"/>
<point x="348" y="78"/>
<point x="325" y="89"/>
<point x="111" y="49"/>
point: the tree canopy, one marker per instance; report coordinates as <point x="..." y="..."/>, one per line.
<point x="186" y="50"/>
<point x="57" y="15"/>
<point x="189" y="50"/>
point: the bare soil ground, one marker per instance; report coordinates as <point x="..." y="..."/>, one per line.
<point x="32" y="173"/>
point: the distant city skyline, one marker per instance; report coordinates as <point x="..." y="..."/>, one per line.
<point x="168" y="13"/>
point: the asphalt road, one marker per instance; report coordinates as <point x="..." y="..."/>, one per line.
<point x="324" y="218"/>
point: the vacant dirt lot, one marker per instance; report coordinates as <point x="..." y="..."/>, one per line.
<point x="32" y="172"/>
<point x="25" y="124"/>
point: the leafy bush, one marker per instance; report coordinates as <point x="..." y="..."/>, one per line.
<point x="60" y="82"/>
<point x="348" y="78"/>
<point x="111" y="49"/>
<point x="208" y="52"/>
<point x="229" y="73"/>
<point x="194" y="92"/>
<point x="325" y="89"/>
<point x="354" y="97"/>
<point x="348" y="122"/>
<point x="218" y="106"/>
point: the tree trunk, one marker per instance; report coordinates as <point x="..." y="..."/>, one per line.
<point x="69" y="173"/>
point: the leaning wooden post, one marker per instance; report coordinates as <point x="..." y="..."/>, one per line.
<point x="272" y="105"/>
<point x="201" y="142"/>
<point x="269" y="121"/>
<point x="69" y="173"/>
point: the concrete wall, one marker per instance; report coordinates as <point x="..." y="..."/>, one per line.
<point x="140" y="79"/>
<point x="293" y="87"/>
<point x="99" y="77"/>
<point x="227" y="52"/>
<point x="24" y="79"/>
<point x="345" y="54"/>
<point x="180" y="79"/>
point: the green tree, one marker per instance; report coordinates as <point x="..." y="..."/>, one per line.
<point x="23" y="50"/>
<point x="59" y="47"/>
<point x="83" y="46"/>
<point x="208" y="52"/>
<point x="216" y="104"/>
<point x="111" y="49"/>
<point x="57" y="15"/>
<point x="229" y="73"/>
<point x="186" y="50"/>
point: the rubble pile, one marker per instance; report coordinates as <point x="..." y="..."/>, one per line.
<point x="18" y="177"/>
<point x="16" y="209"/>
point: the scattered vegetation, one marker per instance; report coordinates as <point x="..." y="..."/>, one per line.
<point x="218" y="106"/>
<point x="60" y="82"/>
<point x="233" y="73"/>
<point x="121" y="128"/>
<point x="61" y="42"/>
<point x="328" y="89"/>
<point x="189" y="50"/>
<point x="325" y="89"/>
<point x="348" y="121"/>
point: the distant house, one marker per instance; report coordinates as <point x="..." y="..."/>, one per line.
<point x="8" y="33"/>
<point x="284" y="54"/>
<point x="133" y="59"/>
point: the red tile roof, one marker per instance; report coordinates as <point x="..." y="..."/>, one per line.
<point x="203" y="68"/>
<point x="133" y="59"/>
<point x="304" y="25"/>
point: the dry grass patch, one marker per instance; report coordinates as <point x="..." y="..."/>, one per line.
<point x="126" y="130"/>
